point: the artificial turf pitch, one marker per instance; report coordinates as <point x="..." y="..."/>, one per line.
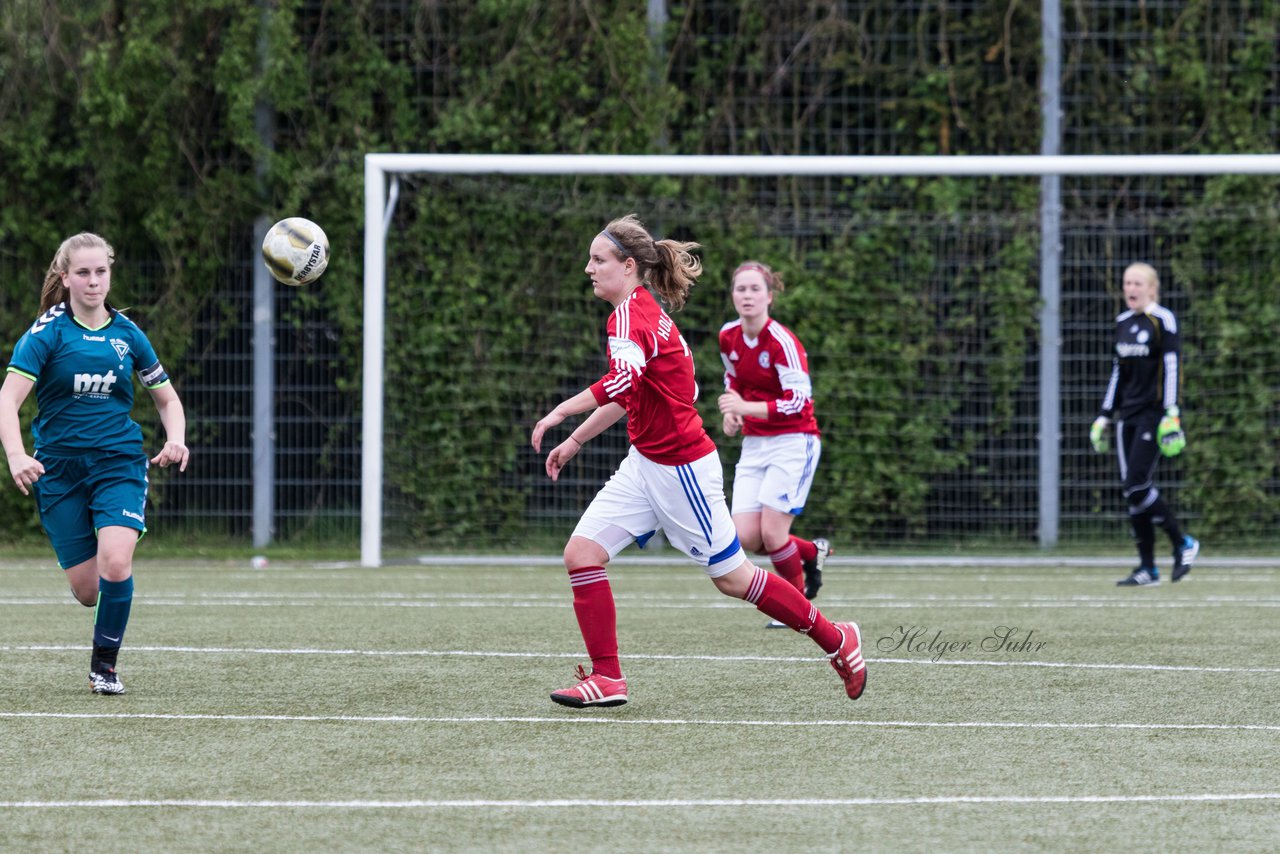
<point x="315" y="707"/>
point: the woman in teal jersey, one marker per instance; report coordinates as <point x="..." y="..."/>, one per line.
<point x="88" y="470"/>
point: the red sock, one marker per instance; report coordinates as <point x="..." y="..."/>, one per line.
<point x="808" y="551"/>
<point x="779" y="600"/>
<point x="786" y="561"/>
<point x="597" y="618"/>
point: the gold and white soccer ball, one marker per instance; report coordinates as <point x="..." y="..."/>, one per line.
<point x="296" y="251"/>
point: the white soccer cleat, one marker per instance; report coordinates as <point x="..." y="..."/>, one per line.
<point x="105" y="681"/>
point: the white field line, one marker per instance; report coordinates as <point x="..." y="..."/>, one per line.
<point x="650" y="602"/>
<point x="706" y="597"/>
<point x="649" y="573"/>
<point x="672" y="558"/>
<point x="683" y="803"/>
<point x="886" y="561"/>
<point x="908" y="564"/>
<point x="781" y="659"/>
<point x="1090" y="582"/>
<point x="591" y="719"/>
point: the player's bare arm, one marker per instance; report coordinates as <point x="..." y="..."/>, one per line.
<point x="173" y="418"/>
<point x="583" y="401"/>
<point x="23" y="468"/>
<point x="599" y="421"/>
<point x="732" y="403"/>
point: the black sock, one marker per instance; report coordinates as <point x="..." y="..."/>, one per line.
<point x="104" y="658"/>
<point x="1163" y="516"/>
<point x="1145" y="535"/>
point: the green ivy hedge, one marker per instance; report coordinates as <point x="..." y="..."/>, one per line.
<point x="141" y="121"/>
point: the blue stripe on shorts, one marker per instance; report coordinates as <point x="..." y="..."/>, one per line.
<point x="697" y="501"/>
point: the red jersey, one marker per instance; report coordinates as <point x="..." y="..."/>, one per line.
<point x="651" y="374"/>
<point x="774" y="369"/>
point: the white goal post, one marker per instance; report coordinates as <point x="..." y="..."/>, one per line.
<point x="382" y="190"/>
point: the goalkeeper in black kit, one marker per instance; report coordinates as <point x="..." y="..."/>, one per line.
<point x="1142" y="401"/>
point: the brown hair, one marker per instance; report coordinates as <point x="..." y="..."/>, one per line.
<point x="53" y="291"/>
<point x="668" y="265"/>
<point x="773" y="281"/>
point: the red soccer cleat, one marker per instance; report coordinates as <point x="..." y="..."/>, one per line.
<point x="847" y="660"/>
<point x="592" y="690"/>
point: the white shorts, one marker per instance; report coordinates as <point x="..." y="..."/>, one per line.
<point x="686" y="502"/>
<point x="775" y="471"/>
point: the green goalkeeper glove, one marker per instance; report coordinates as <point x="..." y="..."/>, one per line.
<point x="1169" y="434"/>
<point x="1098" y="434"/>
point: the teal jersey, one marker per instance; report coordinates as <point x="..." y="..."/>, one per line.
<point x="84" y="381"/>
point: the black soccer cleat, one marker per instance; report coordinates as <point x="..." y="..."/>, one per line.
<point x="813" y="568"/>
<point x="1184" y="556"/>
<point x="1142" y="576"/>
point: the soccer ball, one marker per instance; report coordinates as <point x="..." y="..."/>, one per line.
<point x="296" y="251"/>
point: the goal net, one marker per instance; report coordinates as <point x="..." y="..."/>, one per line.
<point x="954" y="375"/>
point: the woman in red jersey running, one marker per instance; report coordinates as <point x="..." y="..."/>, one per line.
<point x="769" y="399"/>
<point x="671" y="478"/>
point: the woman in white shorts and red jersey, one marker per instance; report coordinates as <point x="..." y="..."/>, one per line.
<point x="769" y="399"/>
<point x="671" y="478"/>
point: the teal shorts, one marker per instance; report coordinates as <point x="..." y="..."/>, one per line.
<point x="79" y="495"/>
